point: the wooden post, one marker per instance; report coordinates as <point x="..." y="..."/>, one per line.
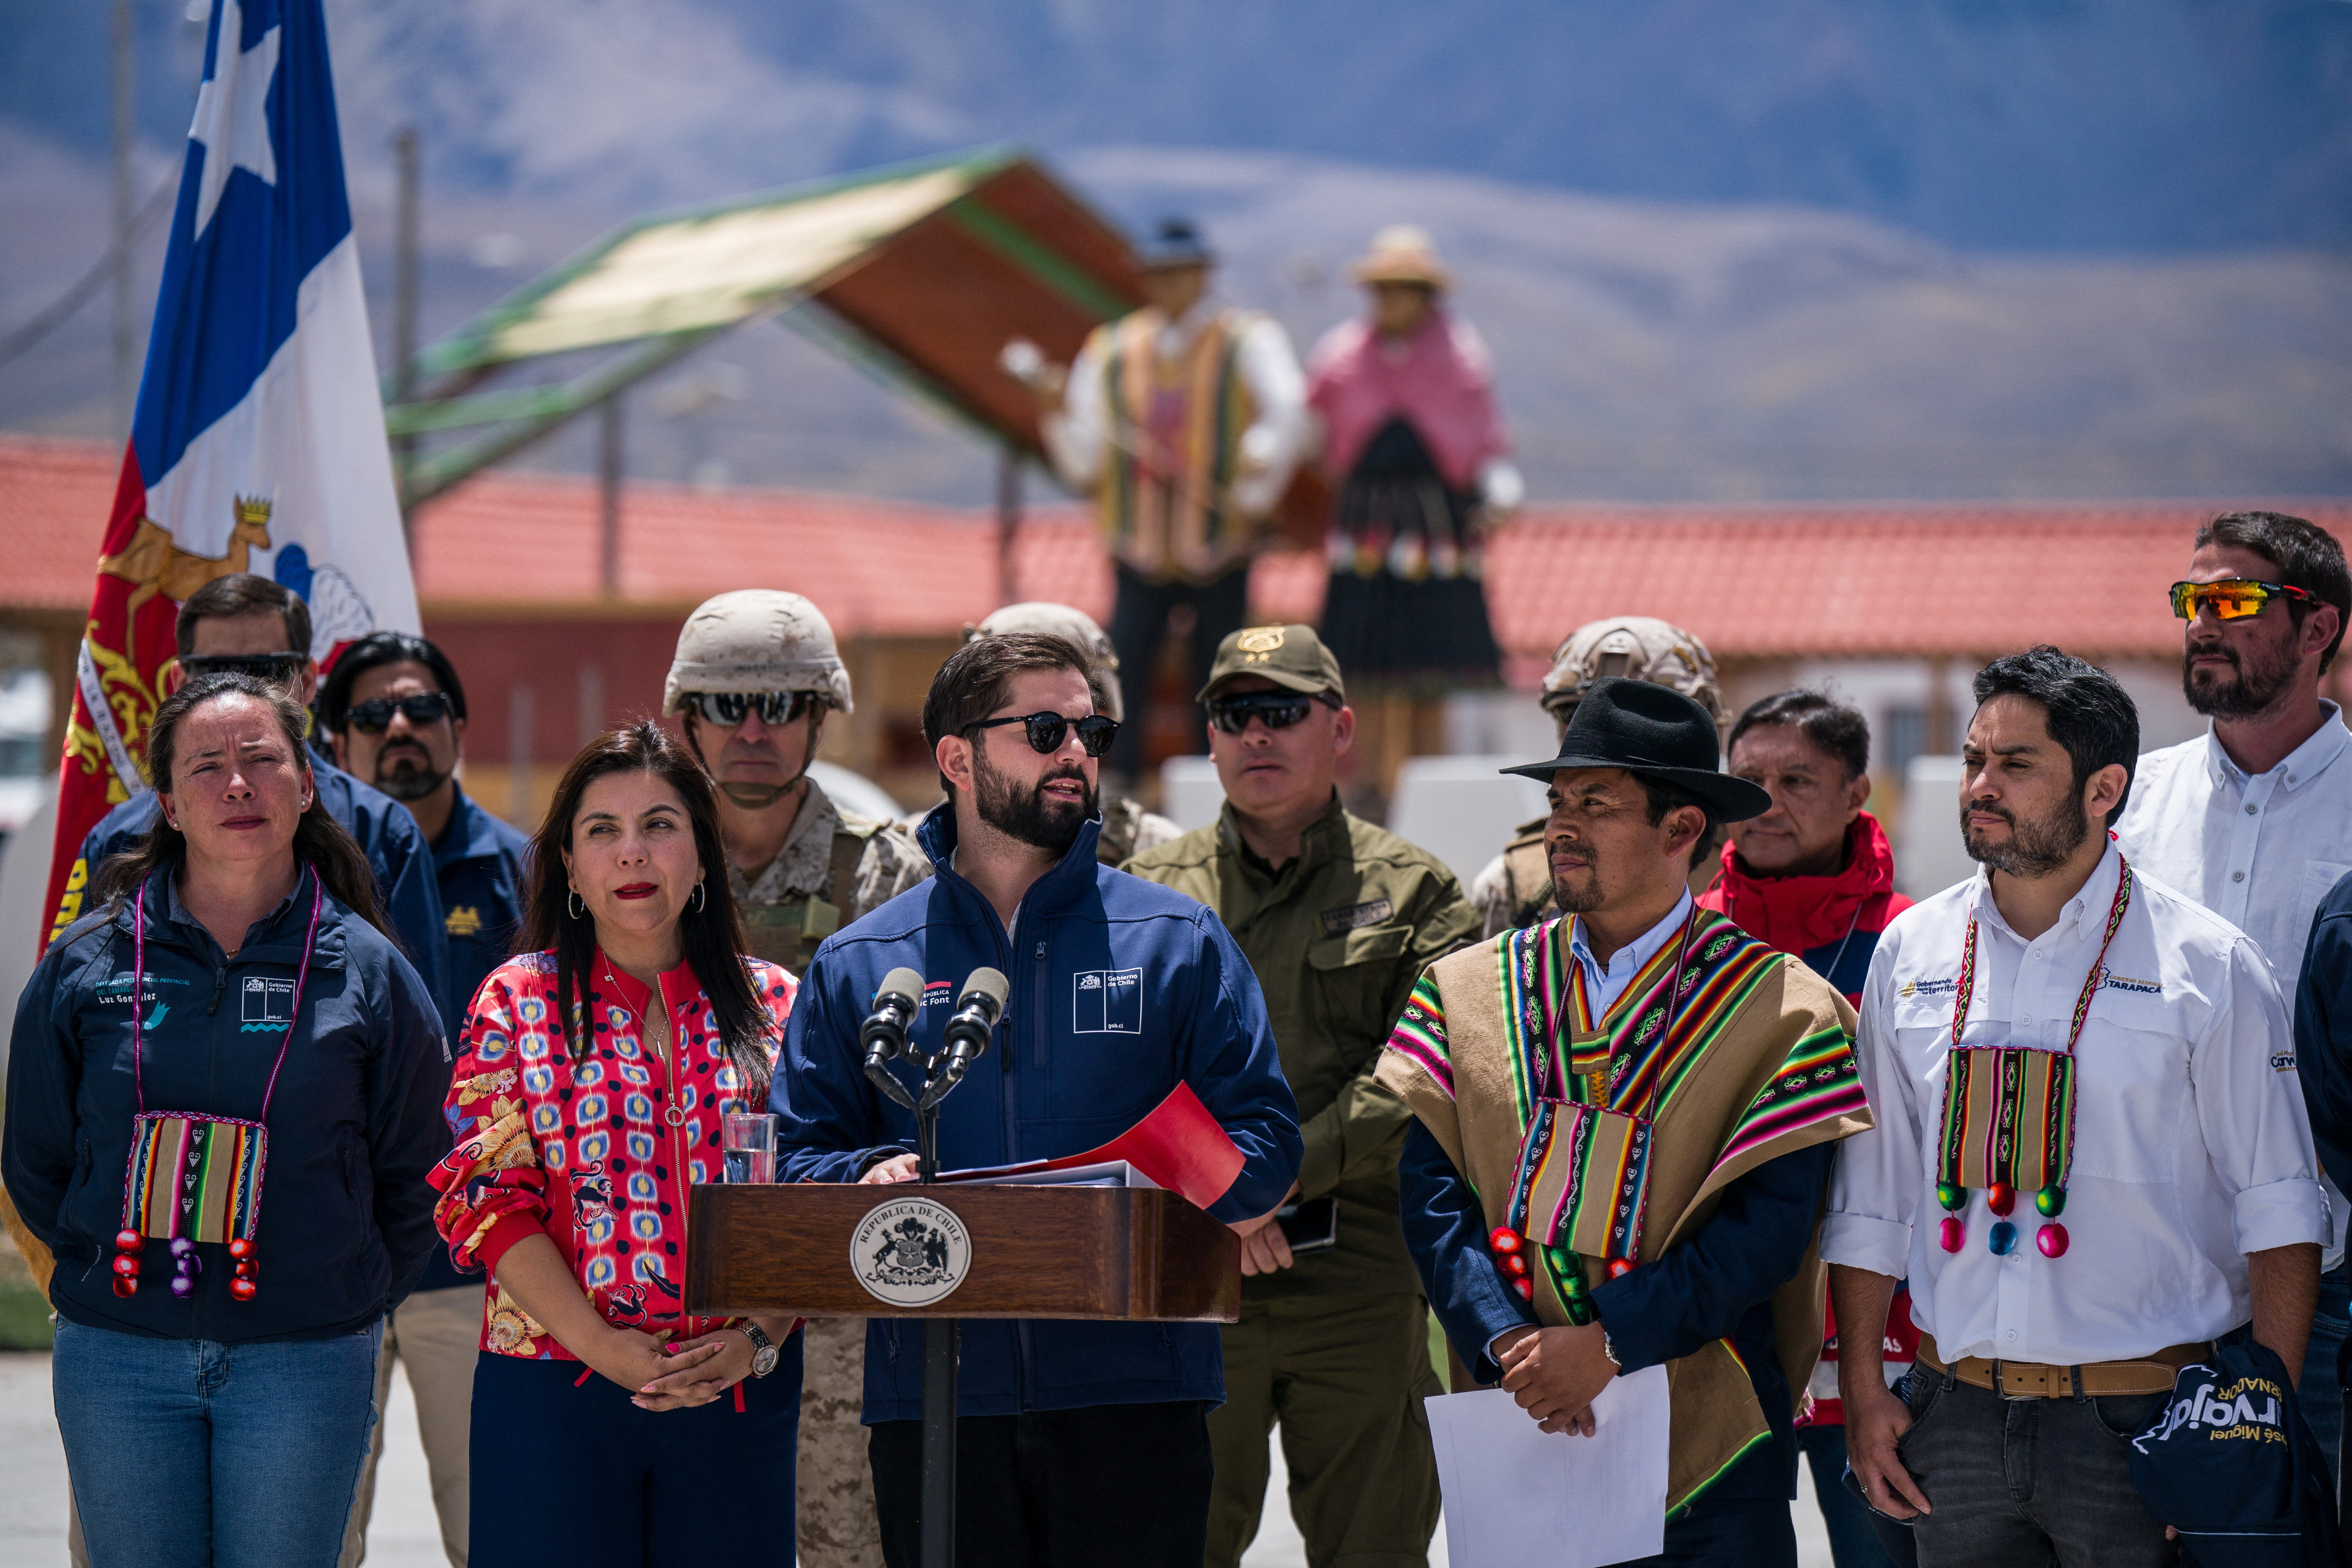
<point x="1008" y="523"/>
<point x="608" y="474"/>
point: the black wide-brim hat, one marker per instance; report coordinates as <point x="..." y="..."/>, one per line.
<point x="1656" y="734"/>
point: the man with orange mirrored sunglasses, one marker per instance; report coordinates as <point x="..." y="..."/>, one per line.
<point x="2254" y="818"/>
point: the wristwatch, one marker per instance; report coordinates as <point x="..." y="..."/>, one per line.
<point x="764" y="1348"/>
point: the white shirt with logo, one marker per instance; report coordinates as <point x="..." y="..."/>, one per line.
<point x="2192" y="1148"/>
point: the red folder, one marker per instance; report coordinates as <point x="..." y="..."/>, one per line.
<point x="1179" y="1146"/>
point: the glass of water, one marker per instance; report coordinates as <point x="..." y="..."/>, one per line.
<point x="748" y="1142"/>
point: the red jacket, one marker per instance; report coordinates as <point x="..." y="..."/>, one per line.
<point x="1833" y="924"/>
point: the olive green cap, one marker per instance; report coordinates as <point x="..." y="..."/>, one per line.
<point x="1291" y="657"/>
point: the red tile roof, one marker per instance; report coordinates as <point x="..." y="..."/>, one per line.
<point x="1887" y="581"/>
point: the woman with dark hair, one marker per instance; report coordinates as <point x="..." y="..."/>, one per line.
<point x="230" y="1037"/>
<point x="592" y="1080"/>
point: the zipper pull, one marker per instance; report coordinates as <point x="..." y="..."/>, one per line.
<point x="220" y="983"/>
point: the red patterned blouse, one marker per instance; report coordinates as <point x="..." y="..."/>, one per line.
<point x="597" y="1152"/>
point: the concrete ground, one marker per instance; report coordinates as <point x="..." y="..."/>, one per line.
<point x="32" y="1489"/>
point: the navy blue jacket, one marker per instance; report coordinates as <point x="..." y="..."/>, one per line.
<point x="387" y="835"/>
<point x="478" y="863"/>
<point x="1057" y="1080"/>
<point x="2323" y="1030"/>
<point x="1717" y="1284"/>
<point x="346" y="1218"/>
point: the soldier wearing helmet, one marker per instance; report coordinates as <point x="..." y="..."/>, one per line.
<point x="1127" y="828"/>
<point x="756" y="674"/>
<point x="1515" y="890"/>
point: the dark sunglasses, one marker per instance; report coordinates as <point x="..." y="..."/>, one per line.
<point x="1045" y="730"/>
<point x="374" y="718"/>
<point x="1280" y="710"/>
<point x="726" y="709"/>
<point x="277" y="668"/>
<point x="2231" y="598"/>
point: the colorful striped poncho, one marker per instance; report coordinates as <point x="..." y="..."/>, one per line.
<point x="1621" y="1143"/>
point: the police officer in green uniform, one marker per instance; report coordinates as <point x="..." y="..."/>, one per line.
<point x="1127" y="828"/>
<point x="1338" y="918"/>
<point x="755" y="675"/>
<point x="1514" y="890"/>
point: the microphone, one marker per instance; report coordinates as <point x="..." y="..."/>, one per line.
<point x="884" y="1032"/>
<point x="968" y="1029"/>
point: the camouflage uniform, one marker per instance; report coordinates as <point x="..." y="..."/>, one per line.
<point x="1128" y="829"/>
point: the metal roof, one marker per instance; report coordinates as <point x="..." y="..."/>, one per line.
<point x="920" y="272"/>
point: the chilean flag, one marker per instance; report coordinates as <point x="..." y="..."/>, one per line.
<point x="258" y="444"/>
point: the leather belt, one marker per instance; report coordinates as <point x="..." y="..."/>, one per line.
<point x="2151" y="1373"/>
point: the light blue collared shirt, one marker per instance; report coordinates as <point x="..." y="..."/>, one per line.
<point x="1604" y="983"/>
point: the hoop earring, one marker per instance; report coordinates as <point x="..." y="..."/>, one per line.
<point x="698" y="899"/>
<point x="573" y="904"/>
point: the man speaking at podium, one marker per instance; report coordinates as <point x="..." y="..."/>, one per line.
<point x="1076" y="1441"/>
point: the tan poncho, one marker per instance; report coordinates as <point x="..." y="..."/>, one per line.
<point x="1757" y="1061"/>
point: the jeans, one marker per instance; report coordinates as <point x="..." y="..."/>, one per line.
<point x="2028" y="1480"/>
<point x="1854" y="1540"/>
<point x="2321" y="1383"/>
<point x="189" y="1452"/>
<point x="1731" y="1532"/>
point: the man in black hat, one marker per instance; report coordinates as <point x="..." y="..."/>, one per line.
<point x="1185" y="419"/>
<point x="1624" y="1119"/>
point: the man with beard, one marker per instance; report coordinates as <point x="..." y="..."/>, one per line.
<point x="755" y="675"/>
<point x="394" y="711"/>
<point x="2136" y="1048"/>
<point x="1076" y="1441"/>
<point x="2254" y="818"/>
<point x="1338" y="918"/>
<point x="1623" y="1121"/>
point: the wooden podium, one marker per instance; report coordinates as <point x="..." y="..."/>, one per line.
<point x="813" y="1250"/>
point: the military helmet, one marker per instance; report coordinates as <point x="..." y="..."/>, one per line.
<point x="1074" y="627"/>
<point x="1639" y="646"/>
<point x="755" y="640"/>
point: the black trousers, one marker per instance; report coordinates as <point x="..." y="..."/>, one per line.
<point x="1058" y="1489"/>
<point x="1139" y="622"/>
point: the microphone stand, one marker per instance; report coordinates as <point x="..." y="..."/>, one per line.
<point x="942" y="1348"/>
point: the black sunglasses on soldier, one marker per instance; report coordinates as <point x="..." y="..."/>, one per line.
<point x="1280" y="710"/>
<point x="374" y="718"/>
<point x="726" y="709"/>
<point x="1045" y="730"/>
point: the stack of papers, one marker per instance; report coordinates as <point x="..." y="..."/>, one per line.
<point x="1516" y="1494"/>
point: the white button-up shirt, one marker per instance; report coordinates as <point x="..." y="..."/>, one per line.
<point x="1604" y="983"/>
<point x="2261" y="851"/>
<point x="2190" y="1144"/>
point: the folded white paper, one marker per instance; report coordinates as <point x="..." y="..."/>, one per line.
<point x="1516" y="1494"/>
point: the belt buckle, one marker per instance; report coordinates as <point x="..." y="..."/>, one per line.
<point x="2001" y="1385"/>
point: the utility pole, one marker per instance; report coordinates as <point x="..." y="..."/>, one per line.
<point x="126" y="347"/>
<point x="403" y="317"/>
<point x="608" y="473"/>
<point x="1008" y="520"/>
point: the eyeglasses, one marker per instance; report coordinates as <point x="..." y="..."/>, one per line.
<point x="2231" y="598"/>
<point x="1280" y="710"/>
<point x="374" y="718"/>
<point x="1045" y="730"/>
<point x="726" y="709"/>
<point x="276" y="668"/>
